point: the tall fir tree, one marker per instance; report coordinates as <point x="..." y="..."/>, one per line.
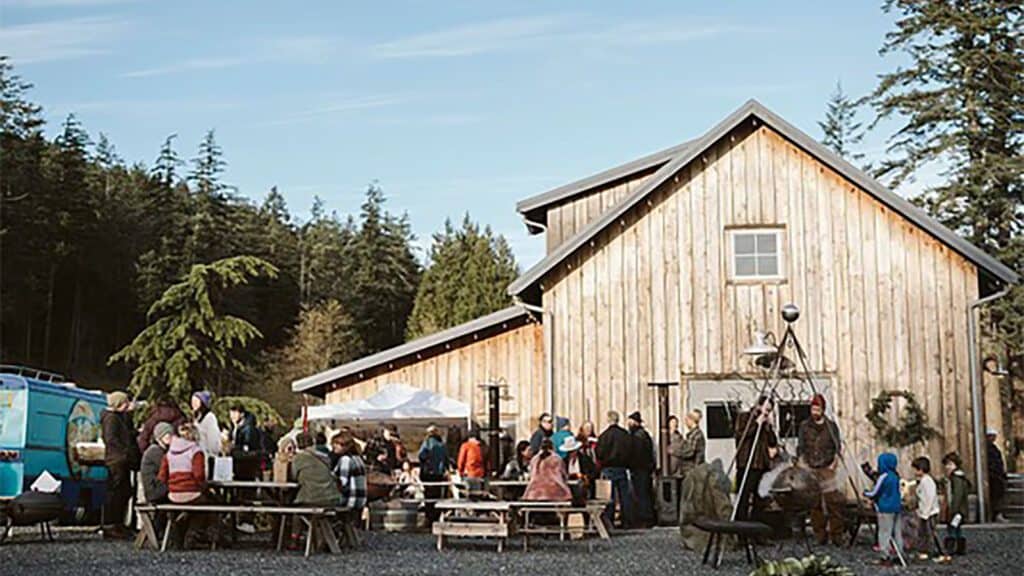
<point x="466" y="277"/>
<point x="212" y="227"/>
<point x="959" y="103"/>
<point x="384" y="275"/>
<point x="841" y="131"/>
<point x="165" y="169"/>
<point x="191" y="343"/>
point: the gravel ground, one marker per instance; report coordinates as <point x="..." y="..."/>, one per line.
<point x="997" y="552"/>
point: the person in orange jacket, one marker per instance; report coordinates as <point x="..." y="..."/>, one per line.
<point x="471" y="463"/>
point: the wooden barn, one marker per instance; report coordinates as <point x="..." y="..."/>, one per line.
<point x="663" y="268"/>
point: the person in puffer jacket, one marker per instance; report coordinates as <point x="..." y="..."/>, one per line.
<point x="183" y="470"/>
<point x="889" y="505"/>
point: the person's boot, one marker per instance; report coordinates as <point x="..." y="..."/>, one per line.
<point x="961" y="546"/>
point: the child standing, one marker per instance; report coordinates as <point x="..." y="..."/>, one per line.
<point x="886" y="495"/>
<point x="957" y="487"/>
<point x="927" y="507"/>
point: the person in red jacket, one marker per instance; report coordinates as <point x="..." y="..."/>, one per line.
<point x="183" y="470"/>
<point x="471" y="464"/>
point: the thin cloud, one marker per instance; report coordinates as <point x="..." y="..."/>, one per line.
<point x="340" y="106"/>
<point x="510" y="34"/>
<point x="58" y="3"/>
<point x="466" y="40"/>
<point x="651" y="32"/>
<point x="191" y="65"/>
<point x="60" y="39"/>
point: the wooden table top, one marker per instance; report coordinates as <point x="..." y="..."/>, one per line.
<point x="255" y="484"/>
<point x="475" y="505"/>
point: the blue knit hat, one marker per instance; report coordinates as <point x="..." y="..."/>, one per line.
<point x="204" y="397"/>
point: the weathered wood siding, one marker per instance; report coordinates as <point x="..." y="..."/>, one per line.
<point x="517" y="356"/>
<point x="883" y="303"/>
<point x="567" y="218"/>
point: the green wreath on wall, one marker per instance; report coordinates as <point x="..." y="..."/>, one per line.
<point x="913" y="425"/>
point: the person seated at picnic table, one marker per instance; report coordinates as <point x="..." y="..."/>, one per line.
<point x="183" y="470"/>
<point x="311" y="469"/>
<point x="518" y="467"/>
<point x="548" y="478"/>
<point x="579" y="467"/>
<point x="409" y="480"/>
<point x="351" y="474"/>
<point x="154" y="490"/>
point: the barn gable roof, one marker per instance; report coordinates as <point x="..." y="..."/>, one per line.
<point x="507" y="318"/>
<point x="693" y="149"/>
<point x="535" y="208"/>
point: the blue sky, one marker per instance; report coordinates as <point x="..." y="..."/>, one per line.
<point x="450" y="106"/>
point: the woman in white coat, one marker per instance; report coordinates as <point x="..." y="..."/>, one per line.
<point x="206" y="423"/>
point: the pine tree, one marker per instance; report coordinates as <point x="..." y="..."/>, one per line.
<point x="165" y="169"/>
<point x="212" y="228"/>
<point x="466" y="278"/>
<point x="384" y="275"/>
<point x="190" y="343"/>
<point x="959" y="104"/>
<point x="840" y="130"/>
<point x="23" y="215"/>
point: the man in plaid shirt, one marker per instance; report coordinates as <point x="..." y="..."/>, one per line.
<point x="351" y="473"/>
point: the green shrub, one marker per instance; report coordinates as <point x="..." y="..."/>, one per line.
<point x="809" y="566"/>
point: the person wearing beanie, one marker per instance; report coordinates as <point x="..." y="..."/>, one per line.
<point x="153" y="489"/>
<point x="206" y="423"/>
<point x="641" y="470"/>
<point x="818" y="447"/>
<point x="121" y="458"/>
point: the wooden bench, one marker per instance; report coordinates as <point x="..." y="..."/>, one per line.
<point x="316" y="519"/>
<point x="593" y="523"/>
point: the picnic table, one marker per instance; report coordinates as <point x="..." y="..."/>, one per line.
<point x="316" y="519"/>
<point x="474" y="519"/>
<point x="591" y="512"/>
<point x="232" y="490"/>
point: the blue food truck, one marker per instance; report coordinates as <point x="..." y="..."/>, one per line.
<point x="42" y="421"/>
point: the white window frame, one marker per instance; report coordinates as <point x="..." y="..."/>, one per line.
<point x="780" y="253"/>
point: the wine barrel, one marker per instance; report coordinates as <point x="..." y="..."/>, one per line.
<point x="395" y="516"/>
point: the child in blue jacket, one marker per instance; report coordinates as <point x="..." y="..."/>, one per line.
<point x="886" y="495"/>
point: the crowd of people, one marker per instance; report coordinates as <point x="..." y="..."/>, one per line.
<point x="172" y="454"/>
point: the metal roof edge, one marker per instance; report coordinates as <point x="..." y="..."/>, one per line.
<point x="408" y="348"/>
<point x="582" y="185"/>
<point x="801" y="139"/>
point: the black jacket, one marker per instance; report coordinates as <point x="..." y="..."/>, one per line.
<point x="247" y="434"/>
<point x="643" y="450"/>
<point x="122" y="449"/>
<point x="615" y="448"/>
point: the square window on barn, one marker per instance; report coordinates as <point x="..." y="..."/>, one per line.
<point x="756" y="253"/>
<point x="721" y="419"/>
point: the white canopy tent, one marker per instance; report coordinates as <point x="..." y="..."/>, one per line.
<point x="394" y="404"/>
